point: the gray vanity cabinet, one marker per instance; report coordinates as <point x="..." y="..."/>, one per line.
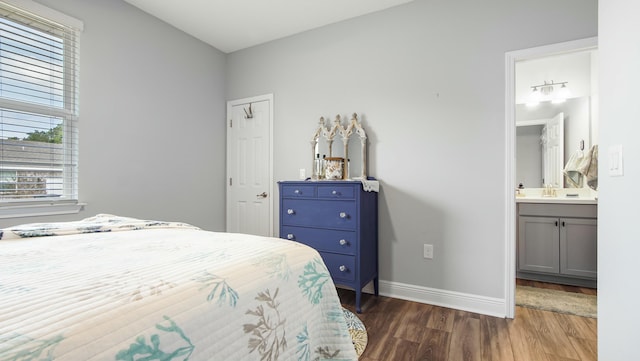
<point x="579" y="247"/>
<point x="538" y="244"/>
<point x="558" y="243"/>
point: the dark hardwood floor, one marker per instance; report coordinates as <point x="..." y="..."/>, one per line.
<point x="401" y="330"/>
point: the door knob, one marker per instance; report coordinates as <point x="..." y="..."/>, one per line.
<point x="262" y="195"/>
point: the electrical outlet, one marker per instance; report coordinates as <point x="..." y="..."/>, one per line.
<point x="428" y="251"/>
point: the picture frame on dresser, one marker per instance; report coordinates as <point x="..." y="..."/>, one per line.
<point x="340" y="220"/>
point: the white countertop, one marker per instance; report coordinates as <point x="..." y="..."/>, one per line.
<point x="534" y="195"/>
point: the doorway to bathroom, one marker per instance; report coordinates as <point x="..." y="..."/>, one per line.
<point x="541" y="83"/>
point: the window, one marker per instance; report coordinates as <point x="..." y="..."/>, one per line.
<point x="38" y="104"/>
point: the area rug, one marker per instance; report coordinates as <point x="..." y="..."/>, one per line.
<point x="571" y="303"/>
<point x="357" y="330"/>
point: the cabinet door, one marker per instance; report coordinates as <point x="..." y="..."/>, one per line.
<point x="538" y="248"/>
<point x="579" y="247"/>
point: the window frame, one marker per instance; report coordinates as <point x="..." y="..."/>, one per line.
<point x="69" y="204"/>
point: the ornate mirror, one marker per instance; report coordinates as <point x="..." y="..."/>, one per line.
<point x="323" y="144"/>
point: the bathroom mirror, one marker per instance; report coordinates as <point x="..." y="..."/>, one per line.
<point x="539" y="160"/>
<point x="578" y="71"/>
<point x="348" y="141"/>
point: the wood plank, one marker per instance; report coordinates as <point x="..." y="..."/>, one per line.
<point x="576" y="326"/>
<point x="587" y="349"/>
<point x="441" y="319"/>
<point x="495" y="340"/>
<point x="414" y="320"/>
<point x="551" y="335"/>
<point x="525" y="343"/>
<point x="465" y="339"/>
<point x="434" y="345"/>
<point x="399" y="349"/>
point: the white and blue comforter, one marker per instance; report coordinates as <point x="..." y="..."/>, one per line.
<point x="115" y="288"/>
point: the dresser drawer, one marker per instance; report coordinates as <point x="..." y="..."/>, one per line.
<point x="337" y="191"/>
<point x="299" y="191"/>
<point x="336" y="214"/>
<point x="340" y="267"/>
<point x="344" y="242"/>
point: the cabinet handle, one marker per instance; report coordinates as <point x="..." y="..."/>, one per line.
<point x="290" y="236"/>
<point x="342" y="268"/>
<point x="562" y="223"/>
<point x="290" y="211"/>
<point x="334" y="192"/>
<point x="343" y="215"/>
<point x="556" y="223"/>
<point x="297" y="191"/>
<point x="343" y="242"/>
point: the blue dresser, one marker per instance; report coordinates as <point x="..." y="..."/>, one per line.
<point x="340" y="220"/>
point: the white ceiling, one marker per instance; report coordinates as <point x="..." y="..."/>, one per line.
<point x="231" y="25"/>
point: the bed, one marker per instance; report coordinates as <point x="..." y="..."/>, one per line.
<point x="118" y="288"/>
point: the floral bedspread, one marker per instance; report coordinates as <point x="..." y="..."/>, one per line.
<point x="116" y="288"/>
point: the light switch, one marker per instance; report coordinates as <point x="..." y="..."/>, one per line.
<point x="616" y="168"/>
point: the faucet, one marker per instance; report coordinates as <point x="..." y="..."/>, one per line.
<point x="549" y="191"/>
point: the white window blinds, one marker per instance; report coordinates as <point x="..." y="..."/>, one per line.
<point x="38" y="105"/>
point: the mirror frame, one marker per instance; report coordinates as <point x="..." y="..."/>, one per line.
<point x="353" y="128"/>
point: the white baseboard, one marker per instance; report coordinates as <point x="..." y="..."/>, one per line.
<point x="460" y="301"/>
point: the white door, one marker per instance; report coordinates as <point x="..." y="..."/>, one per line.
<point x="249" y="166"/>
<point x="553" y="151"/>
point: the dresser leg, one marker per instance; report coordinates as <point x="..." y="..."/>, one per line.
<point x="375" y="286"/>
<point x="358" y="296"/>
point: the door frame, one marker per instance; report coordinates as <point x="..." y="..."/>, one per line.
<point x="510" y="153"/>
<point x="230" y="105"/>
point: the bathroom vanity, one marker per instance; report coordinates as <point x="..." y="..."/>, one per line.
<point x="557" y="240"/>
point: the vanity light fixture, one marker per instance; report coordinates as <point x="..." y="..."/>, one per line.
<point x="545" y="92"/>
<point x="562" y="95"/>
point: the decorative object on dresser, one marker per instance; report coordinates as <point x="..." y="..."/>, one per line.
<point x="325" y="136"/>
<point x="340" y="220"/>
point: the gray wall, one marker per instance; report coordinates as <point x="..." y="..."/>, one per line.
<point x="618" y="231"/>
<point x="428" y="80"/>
<point x="152" y="110"/>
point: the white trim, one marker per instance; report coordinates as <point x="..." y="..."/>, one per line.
<point x="33" y="210"/>
<point x="255" y="99"/>
<point x="526" y="123"/>
<point x="510" y="129"/>
<point x="47" y="13"/>
<point x="456" y="300"/>
<point x="510" y="203"/>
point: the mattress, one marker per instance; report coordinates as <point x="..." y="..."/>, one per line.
<point x="117" y="288"/>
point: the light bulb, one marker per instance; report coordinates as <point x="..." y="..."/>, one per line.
<point x="534" y="98"/>
<point x="561" y="95"/>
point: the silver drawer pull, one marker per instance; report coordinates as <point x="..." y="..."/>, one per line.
<point x="343" y="215"/>
<point x="343" y="242"/>
<point x="290" y="236"/>
<point x="297" y="191"/>
<point x="342" y="268"/>
<point x="334" y="192"/>
<point x="290" y="211"/>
